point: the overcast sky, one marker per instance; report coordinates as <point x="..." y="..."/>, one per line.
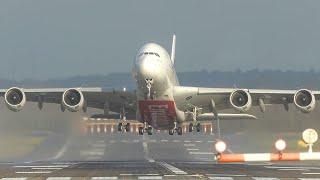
<point x="60" y="38"/>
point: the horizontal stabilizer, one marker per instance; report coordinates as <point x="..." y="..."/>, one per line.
<point x="223" y="116"/>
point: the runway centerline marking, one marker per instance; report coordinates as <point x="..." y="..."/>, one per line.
<point x="171" y="168"/>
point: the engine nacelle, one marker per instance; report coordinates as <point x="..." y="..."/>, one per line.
<point x="72" y="100"/>
<point x="240" y="100"/>
<point x="304" y="100"/>
<point x="15" y="99"/>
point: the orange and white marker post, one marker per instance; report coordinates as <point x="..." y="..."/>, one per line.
<point x="280" y="145"/>
<point x="250" y="157"/>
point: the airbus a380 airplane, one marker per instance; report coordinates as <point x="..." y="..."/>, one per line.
<point x="159" y="101"/>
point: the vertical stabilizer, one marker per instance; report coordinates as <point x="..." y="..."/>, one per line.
<point x="173" y="48"/>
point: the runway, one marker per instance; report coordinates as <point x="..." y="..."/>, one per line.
<point x="130" y="156"/>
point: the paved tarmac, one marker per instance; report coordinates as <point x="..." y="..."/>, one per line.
<point x="130" y="156"/>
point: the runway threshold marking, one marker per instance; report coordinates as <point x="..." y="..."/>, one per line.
<point x="171" y="168"/>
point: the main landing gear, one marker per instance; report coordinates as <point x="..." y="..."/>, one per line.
<point x="125" y="127"/>
<point x="197" y="127"/>
<point x="176" y="128"/>
<point x="146" y="128"/>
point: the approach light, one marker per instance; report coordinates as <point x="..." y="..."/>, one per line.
<point x="220" y="146"/>
<point x="280" y="145"/>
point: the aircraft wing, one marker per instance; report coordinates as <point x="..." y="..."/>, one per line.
<point x="202" y="98"/>
<point x="96" y="97"/>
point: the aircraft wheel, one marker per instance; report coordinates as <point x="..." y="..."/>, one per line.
<point x="120" y="127"/>
<point x="141" y="130"/>
<point x="171" y="131"/>
<point x="179" y="130"/>
<point x="149" y="130"/>
<point x="190" y="127"/>
<point x="128" y="127"/>
<point x="198" y="127"/>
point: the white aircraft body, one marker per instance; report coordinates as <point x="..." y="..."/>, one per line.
<point x="159" y="101"/>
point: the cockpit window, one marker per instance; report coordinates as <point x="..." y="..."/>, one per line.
<point x="149" y="53"/>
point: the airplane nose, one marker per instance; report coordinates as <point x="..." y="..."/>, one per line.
<point x="149" y="67"/>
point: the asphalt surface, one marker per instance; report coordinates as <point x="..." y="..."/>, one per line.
<point x="130" y="156"/>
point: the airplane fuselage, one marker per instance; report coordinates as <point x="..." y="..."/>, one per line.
<point x="155" y="78"/>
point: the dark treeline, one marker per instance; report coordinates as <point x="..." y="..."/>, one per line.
<point x="242" y="79"/>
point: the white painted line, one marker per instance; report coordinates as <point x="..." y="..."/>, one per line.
<point x="13" y="178"/>
<point x="176" y="141"/>
<point x="164" y="140"/>
<point x="227" y="175"/>
<point x="104" y="178"/>
<point x="189" y="144"/>
<point x="199" y="141"/>
<point x="33" y="172"/>
<point x="201" y="153"/>
<point x="291" y="167"/>
<point x="51" y="166"/>
<point x="192" y="149"/>
<point x="45" y="168"/>
<point x="58" y="178"/>
<point x="149" y="177"/>
<point x="293" y="170"/>
<point x="311" y="173"/>
<point x="172" y="168"/>
<point x="139" y="174"/>
<point x="221" y="178"/>
<point x="211" y="141"/>
<point x="187" y="141"/>
<point x="265" y="178"/>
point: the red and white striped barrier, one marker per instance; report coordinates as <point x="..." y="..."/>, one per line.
<point x="224" y="158"/>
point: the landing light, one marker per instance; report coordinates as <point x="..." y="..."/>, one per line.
<point x="280" y="145"/>
<point x="220" y="146"/>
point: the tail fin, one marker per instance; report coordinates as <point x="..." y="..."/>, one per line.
<point x="173" y="48"/>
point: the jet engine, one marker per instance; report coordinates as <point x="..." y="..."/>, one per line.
<point x="304" y="100"/>
<point x="15" y="99"/>
<point x="241" y="100"/>
<point x="72" y="100"/>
